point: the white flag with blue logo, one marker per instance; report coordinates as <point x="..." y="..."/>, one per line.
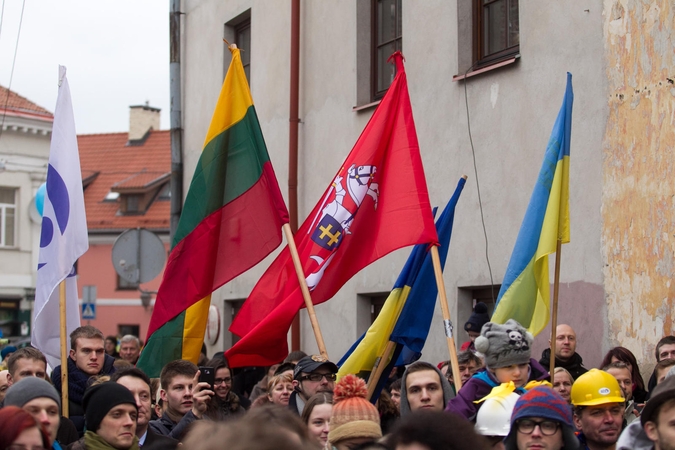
<point x="63" y="238"/>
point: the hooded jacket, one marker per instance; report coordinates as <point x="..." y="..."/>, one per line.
<point x="448" y="392"/>
<point x="574" y="365"/>
<point x="480" y="385"/>
<point x="634" y="438"/>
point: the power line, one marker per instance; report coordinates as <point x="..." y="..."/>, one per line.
<point x="11" y="74"/>
<point x="475" y="169"/>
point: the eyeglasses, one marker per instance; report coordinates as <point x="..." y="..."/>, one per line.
<point x="318" y="376"/>
<point x="547" y="427"/>
<point x="219" y="381"/>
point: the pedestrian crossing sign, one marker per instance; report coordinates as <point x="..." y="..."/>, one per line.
<point x="89" y="310"/>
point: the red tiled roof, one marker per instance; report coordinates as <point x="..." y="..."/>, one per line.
<point x="141" y="180"/>
<point x="18" y="104"/>
<point x="117" y="163"/>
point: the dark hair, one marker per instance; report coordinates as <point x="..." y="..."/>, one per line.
<point x="437" y="430"/>
<point x="420" y="366"/>
<point x="217" y="363"/>
<point x="668" y="340"/>
<point x="468" y="356"/>
<point x="320" y="398"/>
<point x="616" y="365"/>
<point x="85" y="332"/>
<point x="27" y="353"/>
<point x="175" y="368"/>
<point x="295" y="355"/>
<point x="15" y="421"/>
<point x="395" y="386"/>
<point x="625" y="355"/>
<point x="131" y="372"/>
<point x="111" y="338"/>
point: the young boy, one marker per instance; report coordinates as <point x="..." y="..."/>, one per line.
<point x="507" y="358"/>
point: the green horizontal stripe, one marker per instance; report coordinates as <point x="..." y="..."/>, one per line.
<point x="229" y="165"/>
<point x="165" y="344"/>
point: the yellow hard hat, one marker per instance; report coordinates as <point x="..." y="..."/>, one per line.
<point x="596" y="387"/>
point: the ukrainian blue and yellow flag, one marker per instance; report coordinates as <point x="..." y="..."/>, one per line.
<point x="525" y="292"/>
<point x="406" y="315"/>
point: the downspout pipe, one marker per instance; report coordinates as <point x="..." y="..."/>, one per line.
<point x="176" y="120"/>
<point x="293" y="122"/>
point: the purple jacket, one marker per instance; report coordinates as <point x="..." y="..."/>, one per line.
<point x="477" y="388"/>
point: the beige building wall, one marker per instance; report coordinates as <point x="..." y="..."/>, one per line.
<point x="512" y="110"/>
<point x="638" y="173"/>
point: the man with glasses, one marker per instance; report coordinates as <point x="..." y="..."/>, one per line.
<point x="312" y="374"/>
<point x="541" y="419"/>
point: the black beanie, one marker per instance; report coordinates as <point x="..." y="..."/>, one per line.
<point x="100" y="399"/>
<point x="478" y="318"/>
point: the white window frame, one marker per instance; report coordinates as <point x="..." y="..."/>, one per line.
<point x="3" y="220"/>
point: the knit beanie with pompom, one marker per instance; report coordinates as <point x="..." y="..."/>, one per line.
<point x="353" y="416"/>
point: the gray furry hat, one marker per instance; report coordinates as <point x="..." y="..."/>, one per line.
<point x="504" y="345"/>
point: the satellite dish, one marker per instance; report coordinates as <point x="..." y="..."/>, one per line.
<point x="138" y="255"/>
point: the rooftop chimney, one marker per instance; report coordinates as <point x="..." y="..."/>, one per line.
<point x="142" y="118"/>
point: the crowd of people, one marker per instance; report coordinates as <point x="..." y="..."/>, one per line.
<point x="507" y="400"/>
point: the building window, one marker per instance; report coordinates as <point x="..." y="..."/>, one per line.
<point x="497" y="31"/>
<point x="387" y="38"/>
<point x="7" y="217"/>
<point x="238" y="31"/>
<point x="133" y="202"/>
<point x="232" y="307"/>
<point x="243" y="41"/>
<point x="467" y="297"/>
<point x="124" y="285"/>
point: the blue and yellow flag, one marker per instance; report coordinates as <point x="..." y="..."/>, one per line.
<point x="406" y="315"/>
<point x="525" y="292"/>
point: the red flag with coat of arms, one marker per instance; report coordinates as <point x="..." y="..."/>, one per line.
<point x="377" y="203"/>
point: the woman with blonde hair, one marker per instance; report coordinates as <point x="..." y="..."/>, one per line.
<point x="562" y="383"/>
<point x="279" y="389"/>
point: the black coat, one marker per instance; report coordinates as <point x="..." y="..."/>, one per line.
<point x="574" y="365"/>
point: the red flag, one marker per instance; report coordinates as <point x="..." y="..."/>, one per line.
<point x="377" y="203"/>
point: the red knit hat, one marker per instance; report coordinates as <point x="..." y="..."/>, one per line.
<point x="353" y="416"/>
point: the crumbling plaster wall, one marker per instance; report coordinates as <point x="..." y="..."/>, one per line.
<point x="638" y="196"/>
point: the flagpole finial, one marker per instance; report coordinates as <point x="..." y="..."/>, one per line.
<point x="62" y="74"/>
<point x="398" y="58"/>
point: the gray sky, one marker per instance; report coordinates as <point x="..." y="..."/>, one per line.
<point x="116" y="52"/>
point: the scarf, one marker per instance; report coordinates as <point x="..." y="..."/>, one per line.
<point x="78" y="381"/>
<point x="93" y="441"/>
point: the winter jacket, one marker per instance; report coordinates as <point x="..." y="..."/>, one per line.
<point x="480" y="385"/>
<point x="634" y="438"/>
<point x="574" y="365"/>
<point x="166" y="427"/>
<point x="78" y="382"/>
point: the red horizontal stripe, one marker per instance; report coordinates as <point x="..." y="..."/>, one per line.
<point x="225" y="244"/>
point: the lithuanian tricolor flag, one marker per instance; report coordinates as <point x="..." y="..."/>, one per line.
<point x="525" y="292"/>
<point x="231" y="219"/>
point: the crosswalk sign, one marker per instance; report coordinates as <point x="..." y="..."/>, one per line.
<point x="89" y="311"/>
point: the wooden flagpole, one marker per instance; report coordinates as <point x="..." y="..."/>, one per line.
<point x="305" y="290"/>
<point x="64" y="349"/>
<point x="380" y="364"/>
<point x="554" y="308"/>
<point x="447" y="323"/>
